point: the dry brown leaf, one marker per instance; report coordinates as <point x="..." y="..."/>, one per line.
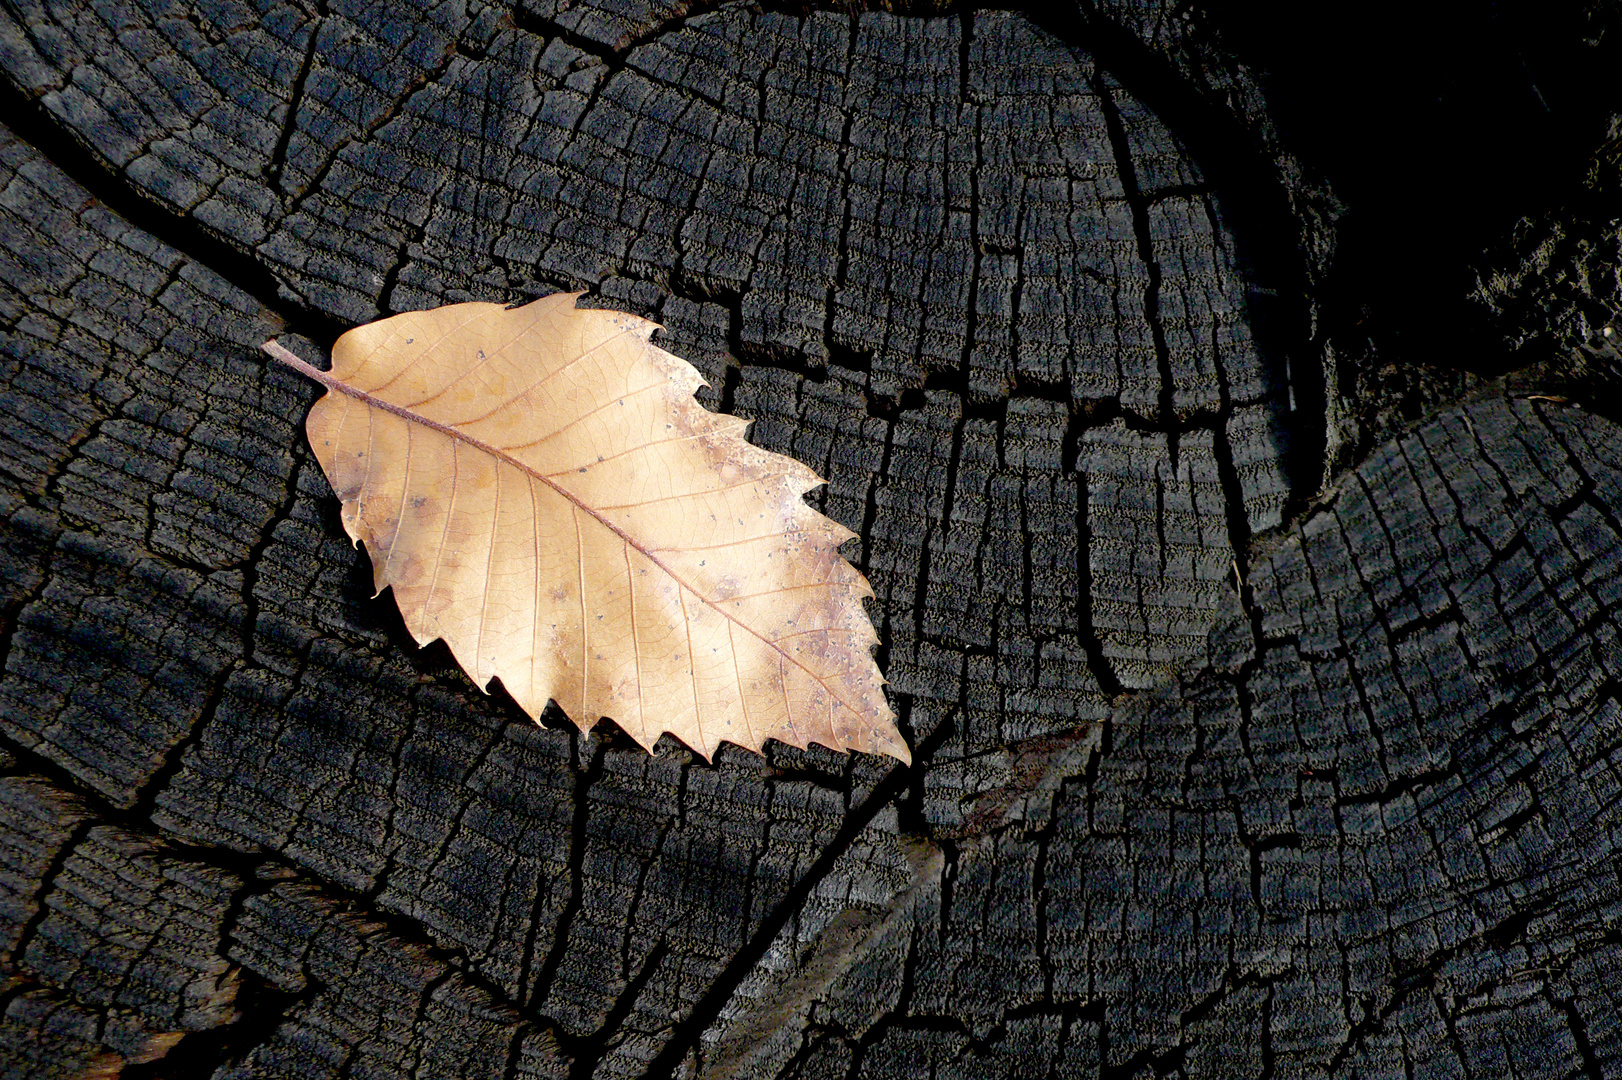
<point x="541" y="490"/>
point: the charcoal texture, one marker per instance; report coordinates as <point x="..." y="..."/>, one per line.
<point x="1217" y="773"/>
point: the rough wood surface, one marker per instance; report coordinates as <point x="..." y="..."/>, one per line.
<point x="1203" y="784"/>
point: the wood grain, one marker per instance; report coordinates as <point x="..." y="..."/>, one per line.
<point x="1215" y="774"/>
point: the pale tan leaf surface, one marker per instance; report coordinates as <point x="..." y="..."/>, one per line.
<point x="540" y="489"/>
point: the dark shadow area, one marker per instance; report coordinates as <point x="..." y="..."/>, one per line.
<point x="1438" y="126"/>
<point x="261" y="1008"/>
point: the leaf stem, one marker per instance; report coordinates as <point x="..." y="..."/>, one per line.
<point x="278" y="353"/>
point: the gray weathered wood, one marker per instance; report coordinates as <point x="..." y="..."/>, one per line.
<point x="1333" y="801"/>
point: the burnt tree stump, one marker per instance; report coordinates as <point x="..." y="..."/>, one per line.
<point x="1266" y="718"/>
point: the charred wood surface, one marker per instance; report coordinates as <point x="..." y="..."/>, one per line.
<point x="1257" y="733"/>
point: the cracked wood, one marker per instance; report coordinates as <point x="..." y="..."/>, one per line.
<point x="1358" y="819"/>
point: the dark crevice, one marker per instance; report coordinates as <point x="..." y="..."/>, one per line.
<point x="729" y="297"/>
<point x="1592" y="1067"/>
<point x="687" y="1032"/>
<point x="1269" y="1051"/>
<point x="921" y="585"/>
<point x="257" y="865"/>
<point x="1406" y="980"/>
<point x="30" y="120"/>
<point x="30" y="762"/>
<point x="46" y="529"/>
<point x="413" y="235"/>
<point x="971" y="308"/>
<point x="1233" y="492"/>
<point x="1086" y="631"/>
<point x="1126" y="169"/>
<point x="261" y="1008"/>
<point x="317" y="179"/>
<point x="1245" y="189"/>
<point x="515" y="1051"/>
<point x="145" y="800"/>
<point x="537" y="990"/>
<point x="48" y="885"/>
<point x="1156" y="1063"/>
<point x="849" y="356"/>
<point x="295" y="99"/>
<point x="1405" y="785"/>
<point x="532" y="22"/>
<point x="870" y="511"/>
<point x="954" y="459"/>
<point x="590" y="1051"/>
<point x="655" y="858"/>
<point x="1517" y="90"/>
